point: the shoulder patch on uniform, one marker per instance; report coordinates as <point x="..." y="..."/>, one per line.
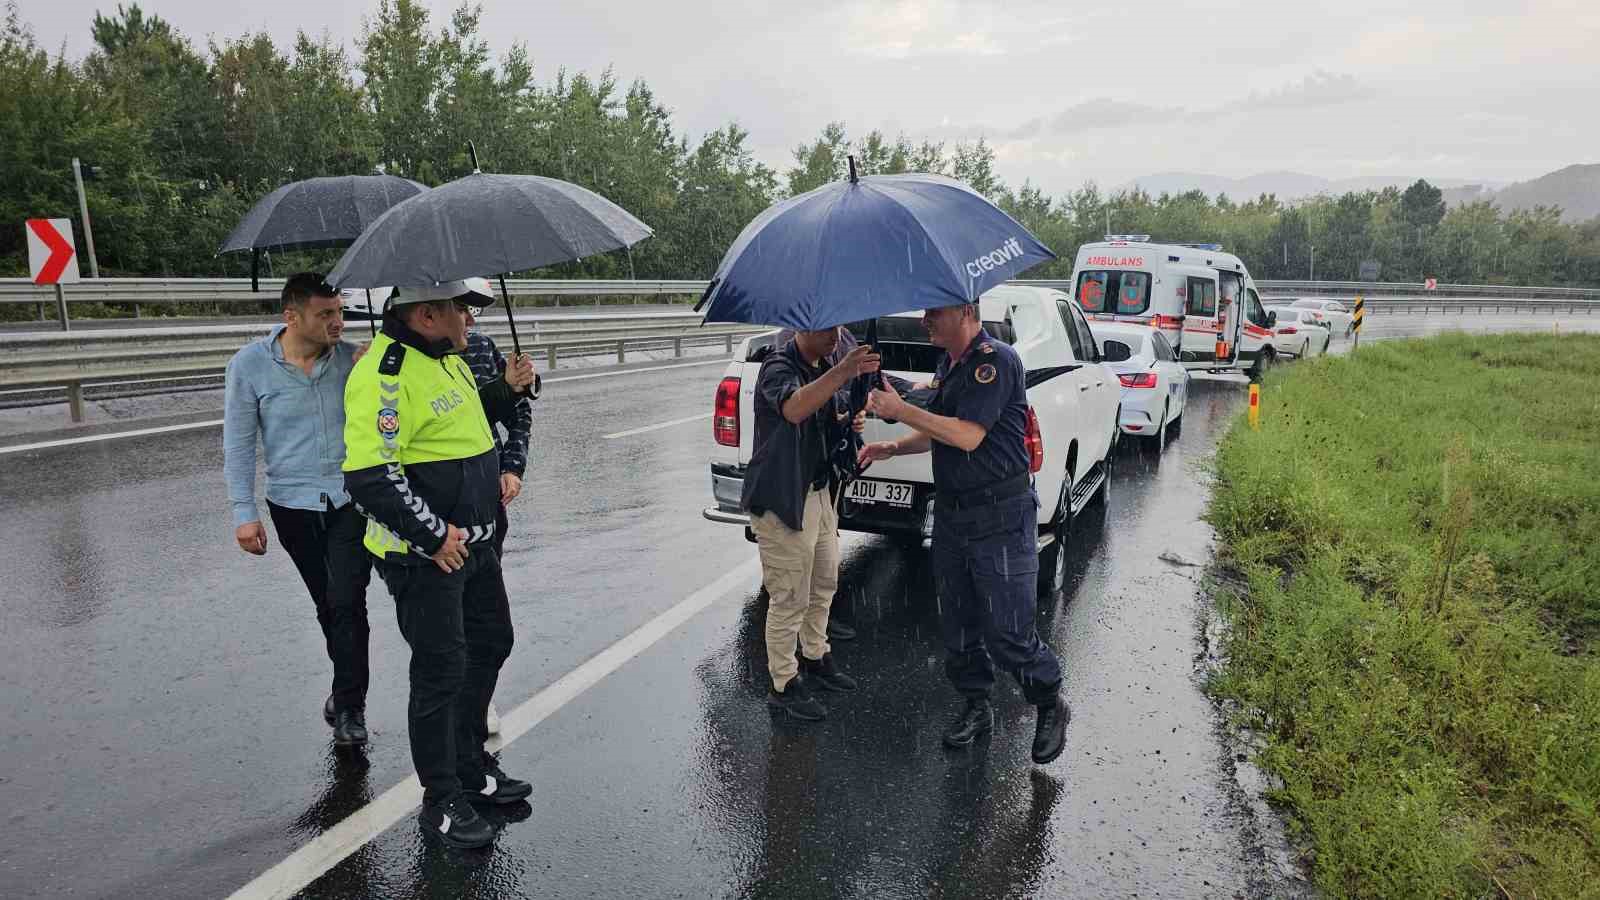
<point x="985" y="347"/>
<point x="392" y="358"/>
<point x="984" y="373"/>
<point x="388" y="421"/>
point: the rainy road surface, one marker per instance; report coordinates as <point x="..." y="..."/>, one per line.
<point x="161" y="730"/>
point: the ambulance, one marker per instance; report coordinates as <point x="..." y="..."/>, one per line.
<point x="1200" y="297"/>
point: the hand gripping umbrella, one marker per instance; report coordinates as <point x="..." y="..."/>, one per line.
<point x="316" y="213"/>
<point x="868" y="247"/>
<point x="486" y="224"/>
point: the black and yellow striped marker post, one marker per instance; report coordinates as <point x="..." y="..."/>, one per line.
<point x="1355" y="320"/>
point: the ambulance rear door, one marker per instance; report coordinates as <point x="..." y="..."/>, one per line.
<point x="1230" y="316"/>
<point x="1196" y="287"/>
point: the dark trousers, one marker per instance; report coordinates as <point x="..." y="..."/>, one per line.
<point x="459" y="629"/>
<point x="986" y="570"/>
<point x="327" y="550"/>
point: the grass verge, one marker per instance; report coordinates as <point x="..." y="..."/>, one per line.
<point x="1418" y="531"/>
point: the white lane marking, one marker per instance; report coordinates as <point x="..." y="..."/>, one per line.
<point x="93" y="438"/>
<point x="164" y="429"/>
<point x="658" y="426"/>
<point x="328" y="849"/>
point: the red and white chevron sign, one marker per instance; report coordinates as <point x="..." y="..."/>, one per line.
<point x="52" y="258"/>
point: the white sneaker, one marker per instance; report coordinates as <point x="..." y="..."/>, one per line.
<point x="494" y="720"/>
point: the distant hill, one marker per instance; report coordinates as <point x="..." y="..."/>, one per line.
<point x="1285" y="185"/>
<point x="1576" y="189"/>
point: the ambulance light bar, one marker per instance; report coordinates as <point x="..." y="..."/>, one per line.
<point x="1130" y="238"/>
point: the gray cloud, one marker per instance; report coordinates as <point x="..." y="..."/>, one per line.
<point x="1317" y="89"/>
<point x="1066" y="93"/>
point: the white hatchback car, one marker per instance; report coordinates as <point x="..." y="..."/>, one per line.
<point x="1155" y="386"/>
<point x="1300" y="333"/>
<point x="1334" y="312"/>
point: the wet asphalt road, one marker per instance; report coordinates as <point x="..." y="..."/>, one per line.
<point x="161" y="731"/>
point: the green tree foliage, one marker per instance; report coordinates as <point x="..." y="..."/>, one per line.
<point x="185" y="140"/>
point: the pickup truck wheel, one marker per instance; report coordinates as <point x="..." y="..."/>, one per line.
<point x="1053" y="560"/>
<point x="1102" y="495"/>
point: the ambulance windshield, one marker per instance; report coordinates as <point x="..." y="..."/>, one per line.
<point x="1114" y="291"/>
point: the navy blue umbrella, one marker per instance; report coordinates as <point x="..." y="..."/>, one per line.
<point x="868" y="247"/>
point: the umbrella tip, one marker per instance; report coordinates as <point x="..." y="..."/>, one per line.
<point x="853" y="177"/>
<point x="472" y="150"/>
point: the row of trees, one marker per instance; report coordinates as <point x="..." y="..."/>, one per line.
<point x="185" y="140"/>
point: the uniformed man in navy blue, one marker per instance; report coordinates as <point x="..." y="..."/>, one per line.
<point x="985" y="532"/>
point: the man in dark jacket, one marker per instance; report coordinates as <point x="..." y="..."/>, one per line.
<point x="421" y="464"/>
<point x="789" y="493"/>
<point x="487" y="364"/>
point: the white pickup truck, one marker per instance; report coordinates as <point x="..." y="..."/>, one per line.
<point x="1072" y="423"/>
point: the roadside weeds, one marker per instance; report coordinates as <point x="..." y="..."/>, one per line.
<point x="1415" y="533"/>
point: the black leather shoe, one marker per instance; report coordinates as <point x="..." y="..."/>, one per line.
<point x="839" y="631"/>
<point x="350" y="728"/>
<point x="328" y="714"/>
<point x="823" y="673"/>
<point x="499" y="788"/>
<point x="976" y="719"/>
<point x="797" y="701"/>
<point x="1050" y="733"/>
<point x="456" y="823"/>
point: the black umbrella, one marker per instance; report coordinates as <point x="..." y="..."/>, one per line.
<point x="316" y="213"/>
<point x="485" y="225"/>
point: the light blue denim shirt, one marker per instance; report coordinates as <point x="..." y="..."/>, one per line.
<point x="299" y="419"/>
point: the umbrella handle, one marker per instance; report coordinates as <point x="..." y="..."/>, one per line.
<point x="505" y="297"/>
<point x="372" y="322"/>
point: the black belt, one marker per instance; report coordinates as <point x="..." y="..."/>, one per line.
<point x="1004" y="489"/>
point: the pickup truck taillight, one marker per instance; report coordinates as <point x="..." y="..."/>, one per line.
<point x="1138" y="380"/>
<point x="725" y="415"/>
<point x="1034" y="441"/>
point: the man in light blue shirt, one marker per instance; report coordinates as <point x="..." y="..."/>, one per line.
<point x="287" y="389"/>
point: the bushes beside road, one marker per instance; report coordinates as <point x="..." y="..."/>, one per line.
<point x="1416" y="624"/>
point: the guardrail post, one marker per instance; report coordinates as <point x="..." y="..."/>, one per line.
<point x="622" y="352"/>
<point x="727" y="341"/>
<point x="75" y="400"/>
<point x="551" y="364"/>
<point x="677" y="346"/>
<point x="61" y="308"/>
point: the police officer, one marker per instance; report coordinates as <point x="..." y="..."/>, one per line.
<point x="420" y="461"/>
<point x="985" y="551"/>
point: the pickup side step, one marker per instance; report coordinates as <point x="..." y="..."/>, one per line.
<point x="1083" y="490"/>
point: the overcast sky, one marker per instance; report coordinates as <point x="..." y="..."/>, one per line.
<point x="1066" y="91"/>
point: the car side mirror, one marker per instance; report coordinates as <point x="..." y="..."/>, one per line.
<point x="1272" y="319"/>
<point x="1117" y="351"/>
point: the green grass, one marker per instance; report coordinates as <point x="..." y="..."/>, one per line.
<point x="1417" y="532"/>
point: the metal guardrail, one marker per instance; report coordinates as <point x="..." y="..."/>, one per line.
<point x="75" y="359"/>
<point x="139" y="292"/>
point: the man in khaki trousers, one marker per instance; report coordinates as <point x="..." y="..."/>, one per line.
<point x="789" y="493"/>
